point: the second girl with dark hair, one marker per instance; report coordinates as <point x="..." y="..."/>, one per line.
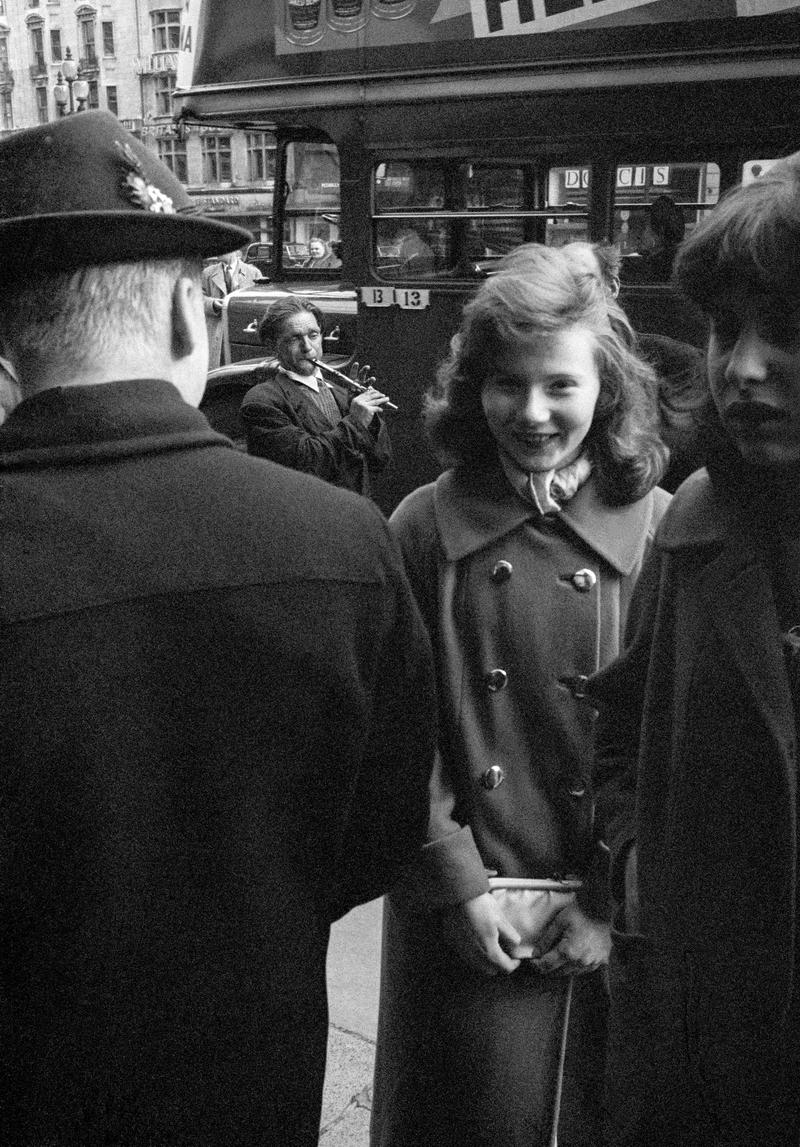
<point x="522" y="557"/>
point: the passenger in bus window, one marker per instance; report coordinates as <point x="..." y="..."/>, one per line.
<point x="522" y="556"/>
<point x="320" y="256"/>
<point x="696" y="772"/>
<point x="415" y="255"/>
<point x="664" y="229"/>
<point x="296" y="417"/>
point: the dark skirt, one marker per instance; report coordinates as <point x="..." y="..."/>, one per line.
<point x="465" y="1060"/>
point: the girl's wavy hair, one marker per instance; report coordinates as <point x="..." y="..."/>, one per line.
<point x="749" y="244"/>
<point x="545" y="293"/>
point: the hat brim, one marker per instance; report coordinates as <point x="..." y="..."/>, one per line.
<point x="65" y="242"/>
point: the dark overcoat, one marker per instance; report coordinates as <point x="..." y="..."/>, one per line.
<point x="283" y="423"/>
<point x="704" y="1027"/>
<point x="216" y="731"/>
<point x="522" y="609"/>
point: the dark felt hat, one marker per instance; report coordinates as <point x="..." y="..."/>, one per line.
<point x="83" y="191"/>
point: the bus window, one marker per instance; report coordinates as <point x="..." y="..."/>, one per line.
<point x="655" y="207"/>
<point x="456" y="219"/>
<point x="311" y="208"/>
<point x="568" y="190"/>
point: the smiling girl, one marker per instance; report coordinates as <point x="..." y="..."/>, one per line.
<point x="522" y="557"/>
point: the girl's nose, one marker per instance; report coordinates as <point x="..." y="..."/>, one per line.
<point x="536" y="408"/>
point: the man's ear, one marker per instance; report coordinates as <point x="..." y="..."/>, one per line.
<point x="186" y="307"/>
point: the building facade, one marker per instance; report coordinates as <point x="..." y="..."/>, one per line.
<point x="61" y="56"/>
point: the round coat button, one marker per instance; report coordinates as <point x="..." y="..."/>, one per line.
<point x="493" y="777"/>
<point x="584" y="580"/>
<point x="496" y="679"/>
<point x="502" y="571"/>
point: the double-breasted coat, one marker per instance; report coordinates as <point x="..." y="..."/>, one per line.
<point x="522" y="608"/>
<point x="284" y="423"/>
<point x="697" y="765"/>
<point x="217" y="724"/>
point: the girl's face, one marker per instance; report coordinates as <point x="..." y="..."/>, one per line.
<point x="754" y="374"/>
<point x="540" y="400"/>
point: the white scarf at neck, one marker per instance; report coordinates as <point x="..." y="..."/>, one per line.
<point x="548" y="490"/>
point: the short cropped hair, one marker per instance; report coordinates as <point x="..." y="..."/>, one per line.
<point x="545" y="293"/>
<point x="749" y="243"/>
<point x="271" y="323"/>
<point x="75" y="315"/>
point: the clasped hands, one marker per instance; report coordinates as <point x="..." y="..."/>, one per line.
<point x="572" y="943"/>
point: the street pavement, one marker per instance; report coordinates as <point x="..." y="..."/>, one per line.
<point x="353" y="979"/>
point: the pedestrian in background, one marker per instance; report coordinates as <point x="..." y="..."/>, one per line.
<point x="216" y="693"/>
<point x="221" y="279"/>
<point x="697" y="742"/>
<point x="522" y="556"/>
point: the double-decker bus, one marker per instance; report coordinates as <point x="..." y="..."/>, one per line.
<point x="424" y="139"/>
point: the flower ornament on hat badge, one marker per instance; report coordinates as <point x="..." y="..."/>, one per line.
<point x="137" y="189"/>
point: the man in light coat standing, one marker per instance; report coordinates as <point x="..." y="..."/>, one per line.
<point x="221" y="279"/>
<point x="215" y="687"/>
<point x="697" y="769"/>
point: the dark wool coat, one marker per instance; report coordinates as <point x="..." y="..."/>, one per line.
<point x="283" y="423"/>
<point x="704" y="1023"/>
<point x="521" y="610"/>
<point x="216" y="734"/>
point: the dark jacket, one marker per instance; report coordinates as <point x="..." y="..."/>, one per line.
<point x="215" y="739"/>
<point x="284" y="423"/>
<point x="697" y="764"/>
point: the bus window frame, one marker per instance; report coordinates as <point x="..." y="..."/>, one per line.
<point x="535" y="168"/>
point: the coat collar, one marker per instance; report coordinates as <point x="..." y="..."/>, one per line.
<point x="66" y="424"/>
<point x="474" y="510"/>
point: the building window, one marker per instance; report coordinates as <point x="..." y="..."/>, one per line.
<point x="41" y="105"/>
<point x="165" y="86"/>
<point x="6" y="111"/>
<point x="108" y="38"/>
<point x="111" y="98"/>
<point x="94" y="95"/>
<point x="55" y="45"/>
<point x="166" y="26"/>
<point x="86" y="36"/>
<point x="260" y="156"/>
<point x="216" y="158"/>
<point x="173" y="154"/>
<point x="37" y="48"/>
